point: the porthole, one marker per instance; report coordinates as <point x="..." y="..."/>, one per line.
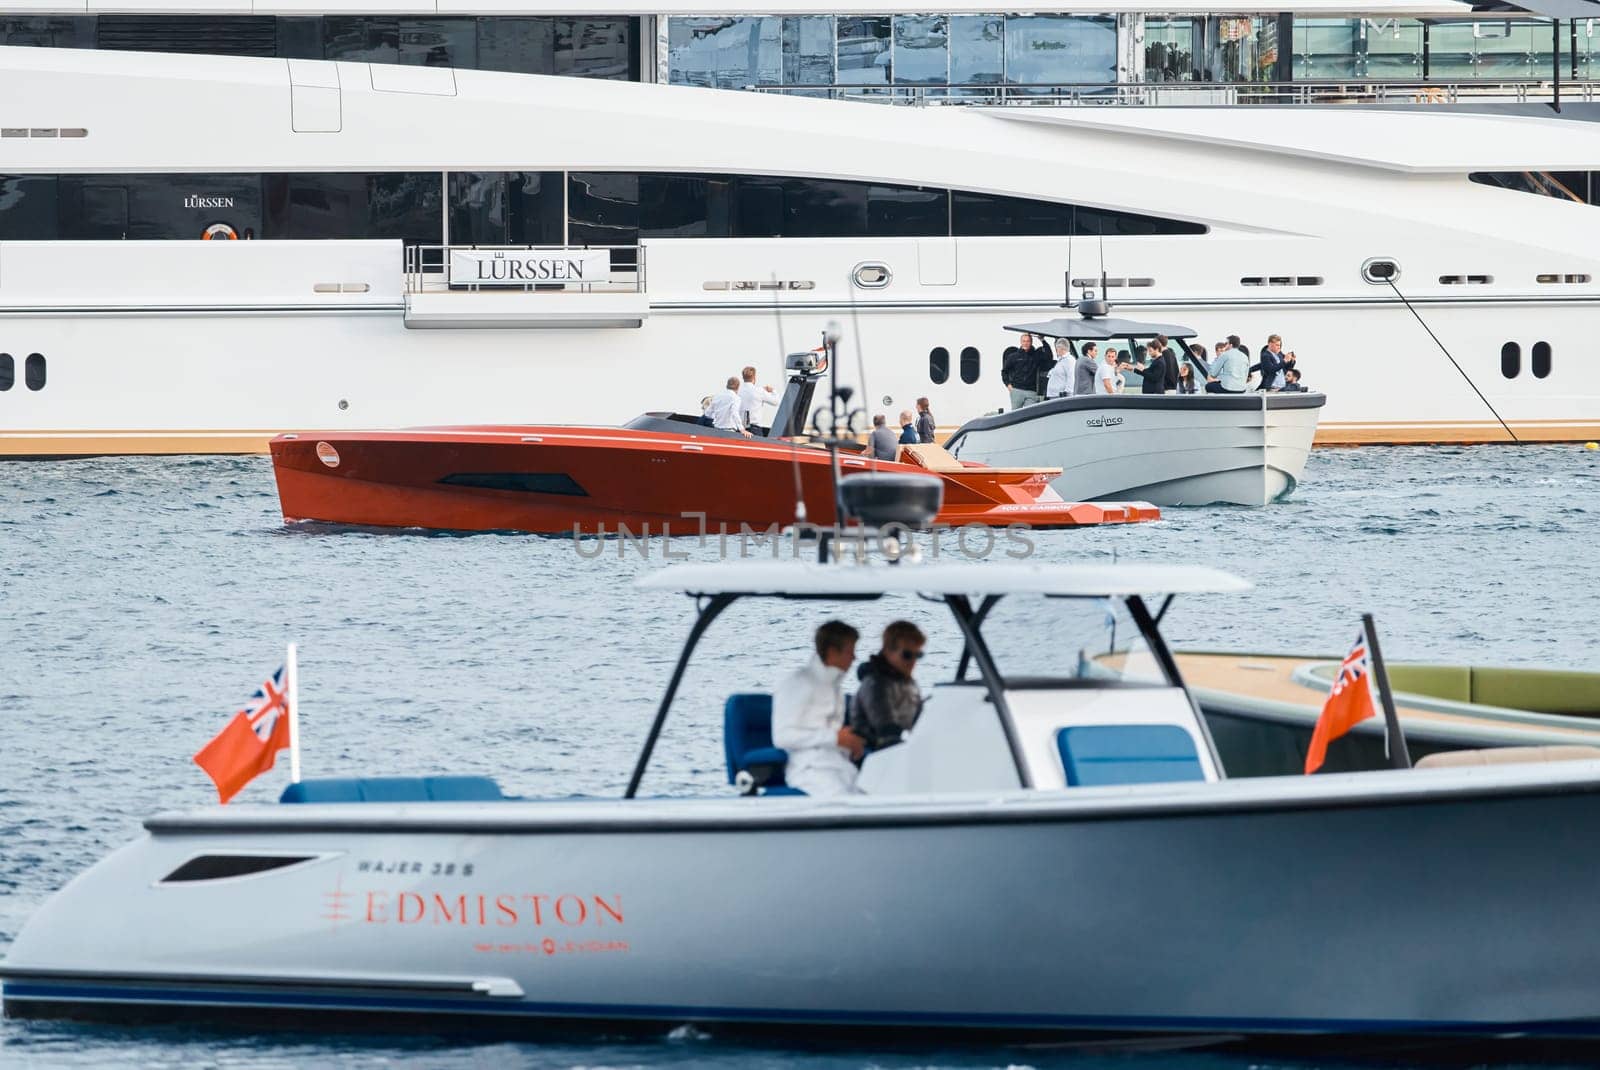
<point x="939" y="365"/>
<point x="871" y="276"/>
<point x="1541" y="360"/>
<point x="8" y="371"/>
<point x="969" y="365"/>
<point x="1511" y="360"/>
<point x="33" y="371"/>
<point x="1380" y="270"/>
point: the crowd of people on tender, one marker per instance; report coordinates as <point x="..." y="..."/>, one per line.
<point x="1032" y="372"/>
<point x="808" y="706"/>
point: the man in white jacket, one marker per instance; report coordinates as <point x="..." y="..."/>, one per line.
<point x="808" y="717"/>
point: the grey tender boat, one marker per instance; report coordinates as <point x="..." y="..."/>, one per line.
<point x="1043" y="855"/>
<point x="1167" y="449"/>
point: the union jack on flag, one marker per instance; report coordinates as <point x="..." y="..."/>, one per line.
<point x="268" y="705"/>
<point x="248" y="746"/>
<point x="1349" y="703"/>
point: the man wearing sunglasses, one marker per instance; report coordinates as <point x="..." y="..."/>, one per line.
<point x="889" y="700"/>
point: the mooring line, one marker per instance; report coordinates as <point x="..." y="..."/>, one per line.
<point x="1451" y="359"/>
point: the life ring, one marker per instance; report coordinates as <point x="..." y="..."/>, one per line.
<point x="219" y="230"/>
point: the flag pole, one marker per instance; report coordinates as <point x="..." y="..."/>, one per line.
<point x="1394" y="739"/>
<point x="293" y="671"/>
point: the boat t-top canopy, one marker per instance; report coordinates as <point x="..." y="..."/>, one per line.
<point x="1100" y="328"/>
<point x="805" y="579"/>
<point x="968" y="589"/>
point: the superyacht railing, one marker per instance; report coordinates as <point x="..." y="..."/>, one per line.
<point x="1109" y="94"/>
<point x="427" y="269"/>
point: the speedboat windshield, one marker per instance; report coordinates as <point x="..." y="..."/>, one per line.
<point x="1074" y="638"/>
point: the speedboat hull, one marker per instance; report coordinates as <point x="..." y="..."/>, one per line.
<point x="565" y="480"/>
<point x="1191" y="909"/>
<point x="1168" y="449"/>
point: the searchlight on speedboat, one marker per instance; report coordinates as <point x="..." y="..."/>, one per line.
<point x="1156" y="444"/>
<point x="1048" y="853"/>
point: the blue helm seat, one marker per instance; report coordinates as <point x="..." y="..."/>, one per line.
<point x="754" y="764"/>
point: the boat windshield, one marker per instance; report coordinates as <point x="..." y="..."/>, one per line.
<point x="1075" y="638"/>
<point x="1130" y="350"/>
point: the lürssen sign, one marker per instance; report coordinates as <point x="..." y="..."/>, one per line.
<point x="529" y="267"/>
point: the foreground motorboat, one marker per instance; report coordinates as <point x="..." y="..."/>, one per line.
<point x="1043" y="855"/>
<point x="1261" y="709"/>
<point x="1169" y="449"/>
<point x="662" y="473"/>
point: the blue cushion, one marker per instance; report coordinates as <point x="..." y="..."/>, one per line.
<point x="747" y="735"/>
<point x="1128" y="754"/>
<point x="393" y="789"/>
<point x="781" y="789"/>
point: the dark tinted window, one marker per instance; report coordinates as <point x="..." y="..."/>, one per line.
<point x="939" y="364"/>
<point x="1541" y="359"/>
<point x="969" y="365"/>
<point x="439" y="42"/>
<point x="212" y="35"/>
<point x="907" y="212"/>
<point x="218" y="867"/>
<point x="300" y="38"/>
<point x="8" y="371"/>
<point x="48" y="32"/>
<point x="519" y="46"/>
<point x="536" y="207"/>
<point x="597" y="48"/>
<point x="584" y="47"/>
<point x="154" y="207"/>
<point x="33" y="371"/>
<point x="1510" y="360"/>
<point x="816" y="208"/>
<point x="523" y="482"/>
<point x="500" y="208"/>
<point x="478" y="208"/>
<point x="603" y="208"/>
<point x="976" y="214"/>
<point x="28" y="209"/>
<point x="361" y="39"/>
<point x="404" y="205"/>
<point x="685" y="206"/>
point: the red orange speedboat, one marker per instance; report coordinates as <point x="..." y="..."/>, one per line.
<point x="662" y="473"/>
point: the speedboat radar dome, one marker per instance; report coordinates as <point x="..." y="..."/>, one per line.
<point x="883" y="498"/>
<point x="1093" y="308"/>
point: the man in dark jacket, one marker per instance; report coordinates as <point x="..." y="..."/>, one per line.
<point x="889" y="700"/>
<point x="1019" y="370"/>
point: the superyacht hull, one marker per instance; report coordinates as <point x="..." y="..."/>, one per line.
<point x="1168" y="449"/>
<point x="1169" y="910"/>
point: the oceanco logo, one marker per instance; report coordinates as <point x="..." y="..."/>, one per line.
<point x="197" y="201"/>
<point x="1103" y="421"/>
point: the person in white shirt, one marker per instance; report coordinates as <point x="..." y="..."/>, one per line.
<point x="808" y="717"/>
<point x="1110" y="381"/>
<point x="752" y="398"/>
<point x="1059" y="384"/>
<point x="724" y="410"/>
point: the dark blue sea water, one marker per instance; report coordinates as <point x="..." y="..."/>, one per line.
<point x="141" y="600"/>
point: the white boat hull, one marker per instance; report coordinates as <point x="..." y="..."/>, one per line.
<point x="1169" y="449"/>
<point x="1155" y="909"/>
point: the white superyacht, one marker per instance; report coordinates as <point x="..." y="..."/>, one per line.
<point x="215" y="227"/>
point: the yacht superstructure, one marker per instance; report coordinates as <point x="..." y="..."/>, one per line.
<point x="199" y="251"/>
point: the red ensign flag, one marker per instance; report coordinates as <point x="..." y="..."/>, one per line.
<point x="250" y="743"/>
<point x="1349" y="703"/>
